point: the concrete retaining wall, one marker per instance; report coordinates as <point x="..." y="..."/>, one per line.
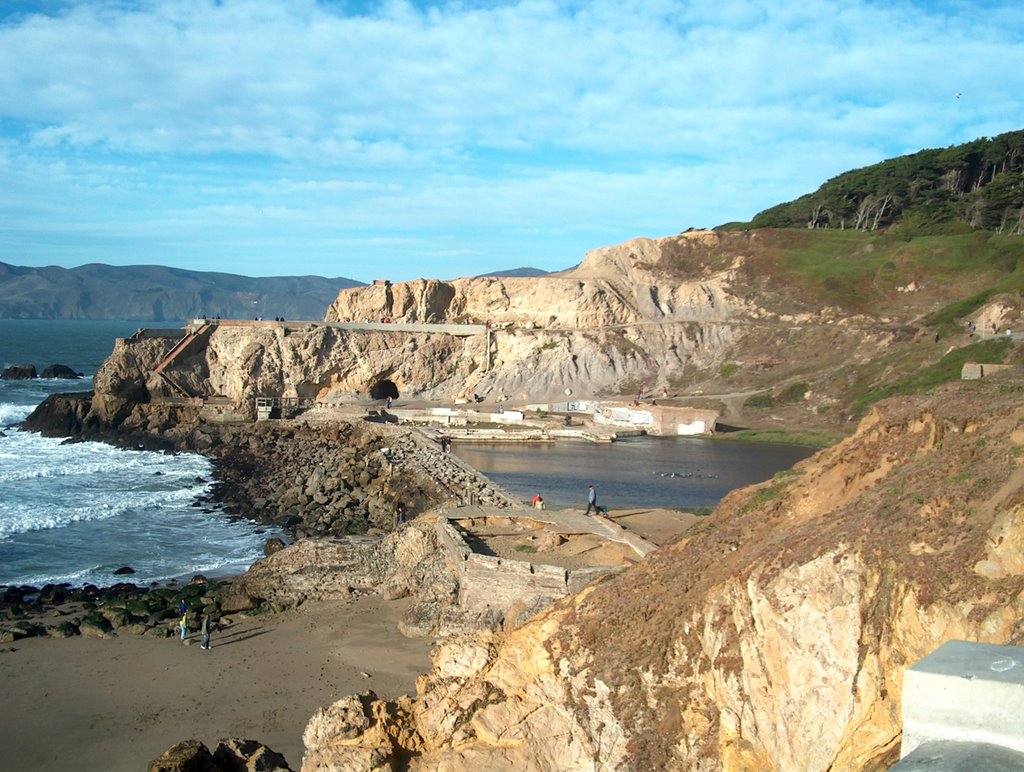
<point x="491" y="582"/>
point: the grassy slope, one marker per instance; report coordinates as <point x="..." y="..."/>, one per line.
<point x="862" y="275"/>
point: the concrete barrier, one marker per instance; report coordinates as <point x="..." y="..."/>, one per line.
<point x="962" y="701"/>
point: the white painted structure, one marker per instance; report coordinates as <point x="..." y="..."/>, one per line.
<point x="964" y="701"/>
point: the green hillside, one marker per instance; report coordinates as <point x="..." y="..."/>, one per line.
<point x="977" y="185"/>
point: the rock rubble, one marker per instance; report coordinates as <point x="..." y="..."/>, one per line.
<point x="324" y="478"/>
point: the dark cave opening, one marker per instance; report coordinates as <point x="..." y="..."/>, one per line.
<point x="384" y="389"/>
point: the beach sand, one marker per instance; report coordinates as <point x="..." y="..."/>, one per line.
<point x="117" y="704"/>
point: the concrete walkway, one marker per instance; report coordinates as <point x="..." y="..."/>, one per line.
<point x="569" y="522"/>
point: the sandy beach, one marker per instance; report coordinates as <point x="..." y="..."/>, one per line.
<point x="116" y="704"/>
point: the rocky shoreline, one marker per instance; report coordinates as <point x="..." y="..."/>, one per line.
<point x="317" y="478"/>
<point x="309" y="479"/>
<point x="63" y="611"/>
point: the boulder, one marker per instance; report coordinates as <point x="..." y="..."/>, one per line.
<point x="232" y="755"/>
<point x="18" y="373"/>
<point x="63" y="630"/>
<point x="274" y="544"/>
<point x="234" y="600"/>
<point x="124" y="571"/>
<point x="186" y="756"/>
<point x="60" y="371"/>
<point x="248" y="756"/>
<point x="95" y="627"/>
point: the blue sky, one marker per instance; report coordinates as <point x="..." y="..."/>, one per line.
<point x="402" y="140"/>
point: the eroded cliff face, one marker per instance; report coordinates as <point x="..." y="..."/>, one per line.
<point x="775" y="636"/>
<point x="662" y="314"/>
<point x="638" y="281"/>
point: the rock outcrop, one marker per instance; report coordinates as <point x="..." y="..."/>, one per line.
<point x="60" y="371"/>
<point x="773" y="637"/>
<point x="409" y="563"/>
<point x="231" y="755"/>
<point x="682" y="313"/>
<point x="643" y="280"/>
<point x="18" y="373"/>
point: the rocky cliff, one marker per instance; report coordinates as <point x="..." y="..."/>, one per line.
<point x="774" y="636"/>
<point x="663" y="314"/>
<point x="643" y="280"/>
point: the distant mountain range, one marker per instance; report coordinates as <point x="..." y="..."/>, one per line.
<point x="157" y="293"/>
<point x="514" y="273"/>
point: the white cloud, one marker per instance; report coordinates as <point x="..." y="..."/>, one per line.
<point x="408" y="128"/>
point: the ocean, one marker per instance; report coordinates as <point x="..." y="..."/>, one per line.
<point x="77" y="512"/>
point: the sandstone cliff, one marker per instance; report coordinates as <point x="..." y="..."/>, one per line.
<point x="664" y="314"/>
<point x="773" y="637"/>
<point x="643" y="280"/>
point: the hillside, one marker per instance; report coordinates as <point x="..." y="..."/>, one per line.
<point x="978" y="185"/>
<point x="519" y="273"/>
<point x="773" y="636"/>
<point x="772" y="326"/>
<point x="156" y="293"/>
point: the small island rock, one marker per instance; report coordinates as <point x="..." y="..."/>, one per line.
<point x="18" y="373"/>
<point x="60" y="371"/>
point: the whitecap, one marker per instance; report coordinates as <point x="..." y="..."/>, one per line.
<point x="13" y="413"/>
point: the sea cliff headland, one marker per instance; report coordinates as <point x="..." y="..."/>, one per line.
<point x="772" y="635"/>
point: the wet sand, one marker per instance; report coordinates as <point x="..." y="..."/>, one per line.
<point x="117" y="704"/>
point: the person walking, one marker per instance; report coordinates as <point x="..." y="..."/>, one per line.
<point x="591" y="500"/>
<point x="183" y="624"/>
<point x="204" y="628"/>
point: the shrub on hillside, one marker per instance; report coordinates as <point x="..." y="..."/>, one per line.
<point x="764" y="399"/>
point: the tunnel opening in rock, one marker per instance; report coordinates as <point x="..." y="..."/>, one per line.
<point x="383" y="389"/>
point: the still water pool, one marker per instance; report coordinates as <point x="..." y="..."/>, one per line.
<point x="667" y="472"/>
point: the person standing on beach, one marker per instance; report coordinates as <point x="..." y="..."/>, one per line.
<point x="183" y="623"/>
<point x="591" y="500"/>
<point x="204" y="628"/>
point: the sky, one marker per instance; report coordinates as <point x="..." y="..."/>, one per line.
<point x="403" y="139"/>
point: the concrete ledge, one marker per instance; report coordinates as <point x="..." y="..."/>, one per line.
<point x="971" y="693"/>
<point x="949" y="756"/>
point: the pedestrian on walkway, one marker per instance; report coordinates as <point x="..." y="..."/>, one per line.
<point x="591" y="500"/>
<point x="204" y="628"/>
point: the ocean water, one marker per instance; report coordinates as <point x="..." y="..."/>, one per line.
<point x="77" y="512"/>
